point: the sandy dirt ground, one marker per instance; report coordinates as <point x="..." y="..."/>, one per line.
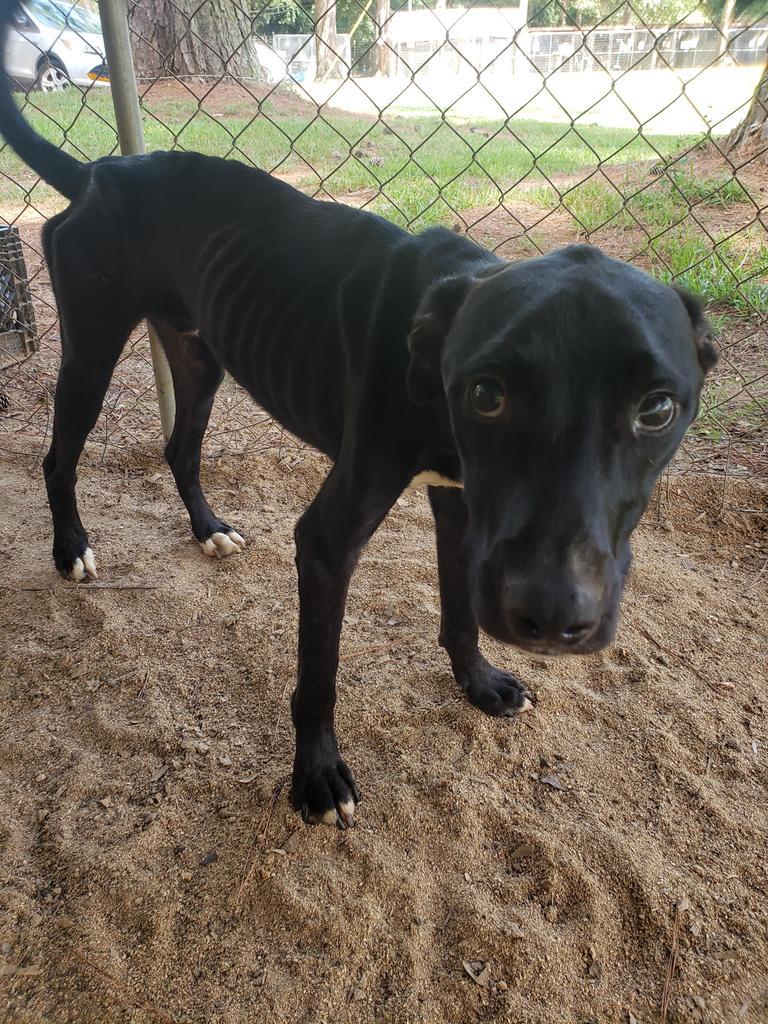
<point x="592" y="861"/>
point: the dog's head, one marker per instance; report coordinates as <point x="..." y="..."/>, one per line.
<point x="570" y="380"/>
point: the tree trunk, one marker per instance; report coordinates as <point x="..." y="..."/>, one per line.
<point x="325" y="38"/>
<point x="187" y="38"/>
<point x="725" y="24"/>
<point x="384" y="52"/>
<point x="755" y="124"/>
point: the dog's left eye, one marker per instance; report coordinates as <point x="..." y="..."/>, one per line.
<point x="656" y="412"/>
<point x="487" y="398"/>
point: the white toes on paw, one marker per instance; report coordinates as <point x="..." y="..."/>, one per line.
<point x="83" y="567"/>
<point x="236" y="539"/>
<point x="219" y="545"/>
<point x="344" y="814"/>
<point x="525" y="706"/>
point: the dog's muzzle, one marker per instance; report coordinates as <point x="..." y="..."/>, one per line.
<point x="550" y="612"/>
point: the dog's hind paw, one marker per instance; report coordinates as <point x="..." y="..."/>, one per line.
<point x="221" y="544"/>
<point x="80" y="568"/>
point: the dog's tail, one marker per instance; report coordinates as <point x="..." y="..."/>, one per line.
<point x="54" y="166"/>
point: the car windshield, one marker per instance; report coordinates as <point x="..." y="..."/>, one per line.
<point x="63" y="15"/>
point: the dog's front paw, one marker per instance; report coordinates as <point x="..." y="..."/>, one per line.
<point x="323" y="788"/>
<point x="75" y="561"/>
<point x="493" y="691"/>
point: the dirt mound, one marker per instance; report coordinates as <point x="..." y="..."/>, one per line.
<point x="227" y="98"/>
<point x="527" y="871"/>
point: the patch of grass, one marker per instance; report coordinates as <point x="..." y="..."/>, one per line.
<point x="723" y="274"/>
<point x="594" y="205"/>
<point x="723" y="191"/>
<point x="411" y="159"/>
<point x="655" y="208"/>
<point x="726" y="409"/>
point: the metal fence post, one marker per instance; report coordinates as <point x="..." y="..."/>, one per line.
<point x="125" y="99"/>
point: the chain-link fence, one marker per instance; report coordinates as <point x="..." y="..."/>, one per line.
<point x="515" y="126"/>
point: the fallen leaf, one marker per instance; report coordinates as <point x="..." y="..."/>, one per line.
<point x="161" y="772"/>
<point x="595" y="970"/>
<point x="553" y="781"/>
<point x="12" y="971"/>
<point x="524" y="850"/>
<point x="478" y="971"/>
<point x="209" y="858"/>
<point x="292" y="841"/>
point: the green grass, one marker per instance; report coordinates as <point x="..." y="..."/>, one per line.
<point x="663" y="203"/>
<point x="425" y="169"/>
<point x="730" y="272"/>
<point x="726" y="275"/>
<point x="727" y="409"/>
<point x="721" y="191"/>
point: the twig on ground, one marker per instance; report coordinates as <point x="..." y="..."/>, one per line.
<point x="681" y="660"/>
<point x="129" y="999"/>
<point x="372" y="648"/>
<point x="672" y="962"/>
<point x="88" y="586"/>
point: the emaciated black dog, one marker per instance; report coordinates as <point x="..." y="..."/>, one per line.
<point x="553" y="390"/>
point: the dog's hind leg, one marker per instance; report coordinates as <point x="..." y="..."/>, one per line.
<point x="93" y="335"/>
<point x="196" y="378"/>
<point x="492" y="690"/>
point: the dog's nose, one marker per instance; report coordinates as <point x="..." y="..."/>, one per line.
<point x="542" y="615"/>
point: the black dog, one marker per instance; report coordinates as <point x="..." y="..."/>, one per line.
<point x="553" y="390"/>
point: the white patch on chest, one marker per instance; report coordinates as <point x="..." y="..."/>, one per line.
<point x="429" y="478"/>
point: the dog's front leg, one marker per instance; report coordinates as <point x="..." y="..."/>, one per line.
<point x="492" y="690"/>
<point x="329" y="538"/>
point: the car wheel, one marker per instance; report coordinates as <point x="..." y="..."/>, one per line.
<point x="51" y="76"/>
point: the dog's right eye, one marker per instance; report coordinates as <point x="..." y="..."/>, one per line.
<point x="487" y="398"/>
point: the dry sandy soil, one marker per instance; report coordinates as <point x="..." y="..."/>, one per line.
<point x="535" y="871"/>
<point x="601" y="860"/>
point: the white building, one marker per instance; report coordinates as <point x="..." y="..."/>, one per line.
<point x="456" y="38"/>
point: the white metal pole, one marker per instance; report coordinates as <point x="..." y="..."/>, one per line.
<point x="125" y="99"/>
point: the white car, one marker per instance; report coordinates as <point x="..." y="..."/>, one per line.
<point x="55" y="44"/>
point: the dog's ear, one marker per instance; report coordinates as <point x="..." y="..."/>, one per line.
<point x="430" y="327"/>
<point x="702" y="331"/>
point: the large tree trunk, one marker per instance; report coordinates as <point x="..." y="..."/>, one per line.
<point x="187" y="38"/>
<point x="755" y="124"/>
<point x="384" y="54"/>
<point x="325" y="38"/>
